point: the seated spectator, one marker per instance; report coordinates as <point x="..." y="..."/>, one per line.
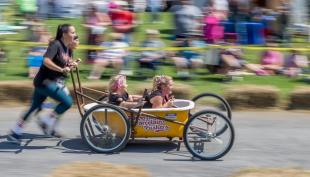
<point x="271" y="61"/>
<point x="118" y="94"/>
<point x="111" y="56"/>
<point x="151" y="58"/>
<point x="231" y="62"/>
<point x="188" y="59"/>
<point x="295" y="63"/>
<point x="159" y="97"/>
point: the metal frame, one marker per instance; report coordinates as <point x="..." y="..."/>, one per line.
<point x="135" y="114"/>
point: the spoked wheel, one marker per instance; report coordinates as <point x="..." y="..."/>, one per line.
<point x="105" y="128"/>
<point x="213" y="102"/>
<point x="208" y="135"/>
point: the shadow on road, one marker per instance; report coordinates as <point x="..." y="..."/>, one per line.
<point x="8" y="147"/>
<point x="144" y="146"/>
<point x="150" y="146"/>
<point x="77" y="146"/>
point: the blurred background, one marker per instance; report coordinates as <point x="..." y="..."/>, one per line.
<point x="260" y="42"/>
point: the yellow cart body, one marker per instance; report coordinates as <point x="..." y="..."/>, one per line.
<point x="148" y="126"/>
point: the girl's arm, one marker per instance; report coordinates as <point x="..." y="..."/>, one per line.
<point x="129" y="104"/>
<point x="136" y="97"/>
<point x="157" y="102"/>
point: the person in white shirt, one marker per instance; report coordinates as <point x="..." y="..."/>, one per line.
<point x="111" y="56"/>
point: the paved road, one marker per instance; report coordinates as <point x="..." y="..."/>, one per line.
<point x="263" y="139"/>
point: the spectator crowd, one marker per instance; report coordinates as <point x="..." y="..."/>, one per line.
<point x="220" y="22"/>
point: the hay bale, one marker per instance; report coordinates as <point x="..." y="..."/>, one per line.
<point x="12" y="91"/>
<point x="140" y="89"/>
<point x="98" y="169"/>
<point x="299" y="98"/>
<point x="273" y="172"/>
<point x="252" y="96"/>
<point x="182" y="91"/>
<point x="21" y="91"/>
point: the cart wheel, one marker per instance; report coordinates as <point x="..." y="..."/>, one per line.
<point x="202" y="137"/>
<point x="211" y="101"/>
<point x="105" y="128"/>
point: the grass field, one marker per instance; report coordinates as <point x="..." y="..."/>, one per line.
<point x="16" y="67"/>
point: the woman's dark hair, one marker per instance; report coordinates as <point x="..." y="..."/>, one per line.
<point x="64" y="28"/>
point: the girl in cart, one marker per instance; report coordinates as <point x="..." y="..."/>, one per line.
<point x="160" y="95"/>
<point x="118" y="94"/>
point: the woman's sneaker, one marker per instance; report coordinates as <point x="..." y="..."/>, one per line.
<point x="56" y="134"/>
<point x="14" y="138"/>
<point x="47" y="126"/>
<point x="44" y="127"/>
<point x="46" y="123"/>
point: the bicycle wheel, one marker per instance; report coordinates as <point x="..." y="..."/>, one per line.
<point x="201" y="136"/>
<point x="105" y="128"/>
<point x="211" y="101"/>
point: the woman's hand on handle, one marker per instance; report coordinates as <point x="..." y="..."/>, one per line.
<point x="66" y="69"/>
<point x="75" y="63"/>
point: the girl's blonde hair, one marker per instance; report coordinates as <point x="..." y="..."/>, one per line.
<point x="117" y="82"/>
<point x="160" y="80"/>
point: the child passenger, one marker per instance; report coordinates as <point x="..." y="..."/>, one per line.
<point x="159" y="97"/>
<point x="118" y="94"/>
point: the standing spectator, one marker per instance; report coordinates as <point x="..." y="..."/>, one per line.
<point x="212" y="29"/>
<point x="139" y="6"/>
<point x="187" y="18"/>
<point x="112" y="56"/>
<point x="43" y="8"/>
<point x="283" y="18"/>
<point x="221" y="6"/>
<point x="233" y="10"/>
<point x="95" y="23"/>
<point x="28" y="8"/>
<point x="155" y="7"/>
<point x="123" y="21"/>
<point x="52" y="8"/>
<point x="243" y="10"/>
